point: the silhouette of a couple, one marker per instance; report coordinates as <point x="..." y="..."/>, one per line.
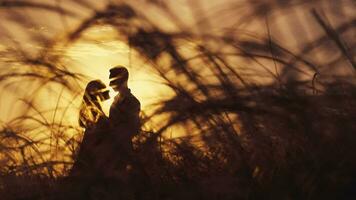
<point x="106" y="149"/>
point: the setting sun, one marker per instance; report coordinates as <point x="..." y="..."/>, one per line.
<point x="94" y="60"/>
<point x="172" y="100"/>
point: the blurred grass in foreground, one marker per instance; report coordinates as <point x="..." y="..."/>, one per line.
<point x="267" y="103"/>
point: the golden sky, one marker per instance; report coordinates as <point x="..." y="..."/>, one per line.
<point x="36" y="31"/>
<point x="30" y="29"/>
<point x="96" y="59"/>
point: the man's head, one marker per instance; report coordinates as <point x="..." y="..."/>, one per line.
<point x="118" y="78"/>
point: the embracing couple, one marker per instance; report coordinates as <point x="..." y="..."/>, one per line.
<point x="106" y="148"/>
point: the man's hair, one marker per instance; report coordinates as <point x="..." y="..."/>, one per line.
<point x="118" y="75"/>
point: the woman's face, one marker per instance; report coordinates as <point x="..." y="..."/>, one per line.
<point x="100" y="94"/>
<point x="104" y="95"/>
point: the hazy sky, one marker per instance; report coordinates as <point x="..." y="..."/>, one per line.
<point x="31" y="29"/>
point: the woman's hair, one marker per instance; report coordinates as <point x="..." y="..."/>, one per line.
<point x="90" y="109"/>
<point x="91" y="90"/>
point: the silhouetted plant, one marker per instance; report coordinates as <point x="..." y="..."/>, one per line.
<point x="263" y="119"/>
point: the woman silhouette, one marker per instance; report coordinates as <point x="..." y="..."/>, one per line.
<point x="90" y="110"/>
<point x="93" y="119"/>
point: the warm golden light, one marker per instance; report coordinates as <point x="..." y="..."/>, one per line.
<point x="106" y="104"/>
<point x="94" y="60"/>
<point x="235" y="99"/>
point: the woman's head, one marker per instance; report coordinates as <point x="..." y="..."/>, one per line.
<point x="90" y="110"/>
<point x="95" y="91"/>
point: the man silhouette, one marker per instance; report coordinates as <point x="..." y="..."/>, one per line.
<point x="124" y="112"/>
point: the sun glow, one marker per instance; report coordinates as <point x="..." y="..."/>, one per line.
<point x="106" y="104"/>
<point x="94" y="59"/>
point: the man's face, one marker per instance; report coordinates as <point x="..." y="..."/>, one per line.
<point x="116" y="88"/>
<point x="115" y="84"/>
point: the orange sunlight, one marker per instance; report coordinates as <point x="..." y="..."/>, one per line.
<point x="94" y="60"/>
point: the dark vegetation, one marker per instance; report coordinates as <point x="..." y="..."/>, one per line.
<point x="264" y="121"/>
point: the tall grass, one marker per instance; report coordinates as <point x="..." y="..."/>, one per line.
<point x="266" y="101"/>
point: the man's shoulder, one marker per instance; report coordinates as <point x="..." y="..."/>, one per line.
<point x="132" y="102"/>
<point x="133" y="98"/>
<point x="128" y="101"/>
